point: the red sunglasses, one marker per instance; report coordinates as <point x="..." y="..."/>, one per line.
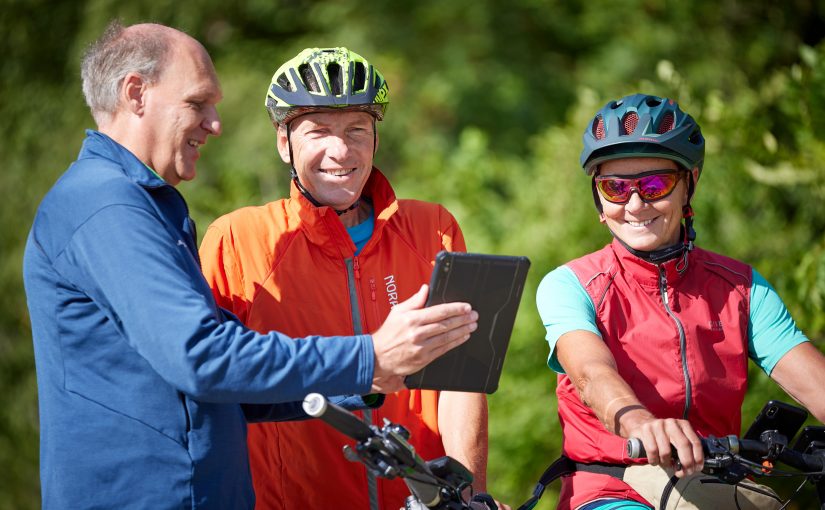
<point x="651" y="186"/>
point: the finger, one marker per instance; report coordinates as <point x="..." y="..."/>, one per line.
<point x="437" y="313"/>
<point x="415" y="301"/>
<point x="445" y="343"/>
<point x="682" y="436"/>
<point x="665" y="448"/>
<point x="692" y="447"/>
<point x="651" y="448"/>
<point x="427" y="332"/>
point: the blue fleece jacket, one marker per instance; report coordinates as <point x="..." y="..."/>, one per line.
<point x="139" y="373"/>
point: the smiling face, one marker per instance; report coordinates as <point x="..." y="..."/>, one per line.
<point x="332" y="154"/>
<point x="644" y="226"/>
<point x="180" y="112"/>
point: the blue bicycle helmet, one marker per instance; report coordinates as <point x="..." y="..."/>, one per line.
<point x="642" y="126"/>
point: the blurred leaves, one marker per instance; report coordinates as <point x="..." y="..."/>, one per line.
<point x="489" y="100"/>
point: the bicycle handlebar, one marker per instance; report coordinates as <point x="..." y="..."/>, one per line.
<point x="317" y="406"/>
<point x="715" y="448"/>
<point x="386" y="452"/>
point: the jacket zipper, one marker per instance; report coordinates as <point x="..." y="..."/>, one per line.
<point x="353" y="276"/>
<point x="374" y="301"/>
<point x="682" y="339"/>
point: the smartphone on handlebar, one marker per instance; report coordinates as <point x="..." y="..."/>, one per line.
<point x="779" y="416"/>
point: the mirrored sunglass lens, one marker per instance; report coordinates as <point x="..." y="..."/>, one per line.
<point x="654" y="187"/>
<point x="614" y="189"/>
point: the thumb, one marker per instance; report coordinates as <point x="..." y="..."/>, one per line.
<point x="415" y="302"/>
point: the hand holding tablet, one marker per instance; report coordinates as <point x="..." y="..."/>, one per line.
<point x="493" y="285"/>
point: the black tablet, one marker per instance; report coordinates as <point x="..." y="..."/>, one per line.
<point x="492" y="284"/>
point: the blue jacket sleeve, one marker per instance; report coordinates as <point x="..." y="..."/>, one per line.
<point x="149" y="285"/>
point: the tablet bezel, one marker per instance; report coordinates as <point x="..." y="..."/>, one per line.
<point x="449" y="372"/>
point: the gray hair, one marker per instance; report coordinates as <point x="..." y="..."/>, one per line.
<point x="117" y="53"/>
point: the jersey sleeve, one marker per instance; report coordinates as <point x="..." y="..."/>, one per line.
<point x="772" y="331"/>
<point x="221" y="270"/>
<point x="564" y="306"/>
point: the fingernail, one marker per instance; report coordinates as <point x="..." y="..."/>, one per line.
<point x="473" y="326"/>
<point x="474" y="315"/>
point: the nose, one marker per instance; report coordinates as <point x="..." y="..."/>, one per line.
<point x="635" y="203"/>
<point x="337" y="148"/>
<point x="212" y="121"/>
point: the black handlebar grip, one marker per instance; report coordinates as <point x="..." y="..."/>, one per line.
<point x="317" y="406"/>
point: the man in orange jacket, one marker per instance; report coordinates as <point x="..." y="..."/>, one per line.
<point x="334" y="258"/>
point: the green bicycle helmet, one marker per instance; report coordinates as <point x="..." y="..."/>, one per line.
<point x="326" y="79"/>
<point x="640" y="125"/>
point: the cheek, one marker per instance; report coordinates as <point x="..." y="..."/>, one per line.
<point x="611" y="211"/>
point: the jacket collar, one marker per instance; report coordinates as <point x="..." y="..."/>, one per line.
<point x="100" y="145"/>
<point x="323" y="227"/>
<point x="647" y="273"/>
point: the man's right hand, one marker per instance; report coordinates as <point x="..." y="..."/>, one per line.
<point x="413" y="336"/>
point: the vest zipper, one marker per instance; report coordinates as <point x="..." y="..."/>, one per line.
<point x="353" y="276"/>
<point x="682" y="339"/>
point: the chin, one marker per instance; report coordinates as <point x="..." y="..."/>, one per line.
<point x="644" y="244"/>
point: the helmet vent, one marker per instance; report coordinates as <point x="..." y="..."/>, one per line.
<point x="696" y="137"/>
<point x="284" y="82"/>
<point x="631" y="119"/>
<point x="360" y="76"/>
<point x="309" y="78"/>
<point x="336" y="80"/>
<point x="598" y="128"/>
<point x="666" y="124"/>
<point x="652" y="102"/>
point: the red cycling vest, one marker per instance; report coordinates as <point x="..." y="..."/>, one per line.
<point x="680" y="339"/>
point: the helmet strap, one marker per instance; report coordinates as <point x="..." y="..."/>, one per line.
<point x="679" y="249"/>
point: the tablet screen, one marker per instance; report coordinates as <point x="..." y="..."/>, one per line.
<point x="493" y="285"/>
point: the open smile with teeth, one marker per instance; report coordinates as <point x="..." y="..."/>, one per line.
<point x="338" y="172"/>
<point x="640" y="223"/>
<point x="194" y="143"/>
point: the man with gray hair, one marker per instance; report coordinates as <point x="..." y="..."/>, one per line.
<point x="140" y="373"/>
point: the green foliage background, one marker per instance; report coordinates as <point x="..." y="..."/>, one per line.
<point x="489" y="100"/>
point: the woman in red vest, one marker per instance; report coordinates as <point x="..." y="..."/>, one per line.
<point x="650" y="335"/>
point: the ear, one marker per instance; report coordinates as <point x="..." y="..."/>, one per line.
<point x="602" y="219"/>
<point x="133" y="94"/>
<point x="283" y="144"/>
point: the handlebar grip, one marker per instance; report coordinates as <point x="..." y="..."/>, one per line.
<point x="635" y="448"/>
<point x="317" y="406"/>
<point x="803" y="461"/>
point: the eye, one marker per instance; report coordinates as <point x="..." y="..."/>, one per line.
<point x="359" y="131"/>
<point x="615" y="186"/>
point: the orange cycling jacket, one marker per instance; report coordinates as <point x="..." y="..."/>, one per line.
<point x="291" y="267"/>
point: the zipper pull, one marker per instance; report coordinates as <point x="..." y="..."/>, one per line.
<point x="372" y="288"/>
<point x="663" y="285"/>
<point x="356" y="268"/>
